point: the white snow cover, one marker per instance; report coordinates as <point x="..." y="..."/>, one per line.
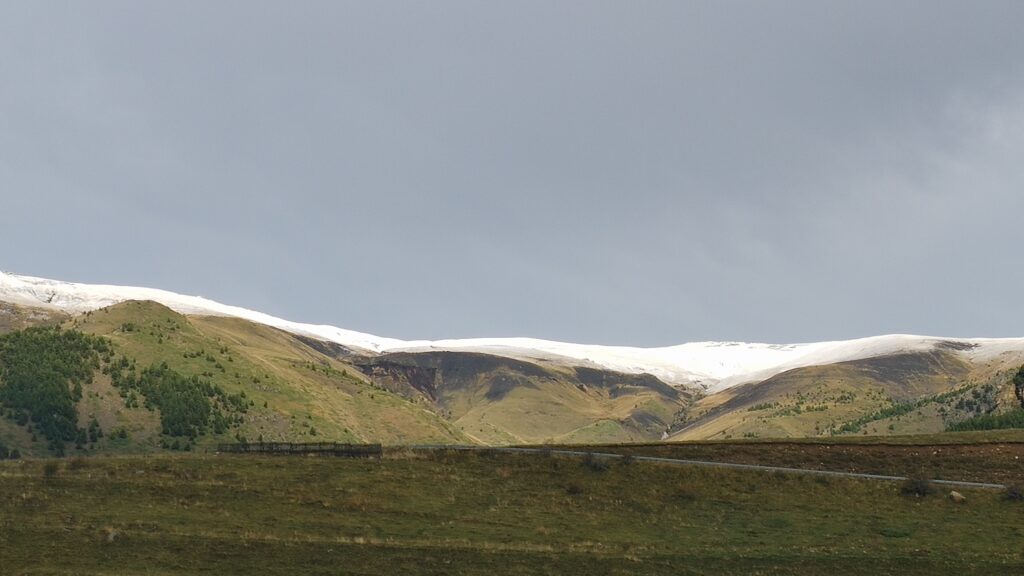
<point x="711" y="365"/>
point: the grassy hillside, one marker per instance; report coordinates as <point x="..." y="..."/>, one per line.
<point x="172" y="382"/>
<point x="176" y="382"/>
<point x="912" y="393"/>
<point x="15" y="317"/>
<point x="481" y="514"/>
<point x="501" y="401"/>
<point x="295" y="393"/>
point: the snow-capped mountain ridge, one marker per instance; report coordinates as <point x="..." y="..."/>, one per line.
<point x="712" y="365"/>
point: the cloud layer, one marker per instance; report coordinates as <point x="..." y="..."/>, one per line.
<point x="625" y="173"/>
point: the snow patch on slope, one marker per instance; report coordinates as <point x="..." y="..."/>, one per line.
<point x="80" y="298"/>
<point x="711" y="365"/>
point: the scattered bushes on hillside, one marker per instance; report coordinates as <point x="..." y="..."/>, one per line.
<point x="1012" y="419"/>
<point x="980" y="399"/>
<point x="897" y="409"/>
<point x="991" y="421"/>
<point x="189" y="406"/>
<point x="42" y="371"/>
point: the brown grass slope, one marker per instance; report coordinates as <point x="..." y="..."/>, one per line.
<point x="16" y="317"/>
<point x="501" y="400"/>
<point x="910" y="393"/>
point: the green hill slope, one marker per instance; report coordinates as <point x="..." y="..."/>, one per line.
<point x="159" y="380"/>
<point x="912" y="393"/>
<point x="279" y="388"/>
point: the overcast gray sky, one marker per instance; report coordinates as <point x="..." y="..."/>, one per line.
<point x="643" y="173"/>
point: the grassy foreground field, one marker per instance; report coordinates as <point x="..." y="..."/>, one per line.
<point x="988" y="456"/>
<point x="473" y="513"/>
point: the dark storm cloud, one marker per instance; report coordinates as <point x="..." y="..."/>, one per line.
<point x="639" y="173"/>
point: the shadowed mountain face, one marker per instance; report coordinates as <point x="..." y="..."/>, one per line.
<point x="500" y="399"/>
<point x="329" y="349"/>
<point x="439" y="375"/>
<point x="907" y="375"/>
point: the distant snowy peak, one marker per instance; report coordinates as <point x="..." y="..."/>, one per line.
<point x="710" y="365"/>
<point x="80" y="298"/>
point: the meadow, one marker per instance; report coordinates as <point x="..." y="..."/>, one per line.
<point x="482" y="513"/>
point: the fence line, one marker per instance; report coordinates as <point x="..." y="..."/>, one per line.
<point x="326" y="448"/>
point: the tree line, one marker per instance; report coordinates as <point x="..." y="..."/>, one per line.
<point x="43" y="369"/>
